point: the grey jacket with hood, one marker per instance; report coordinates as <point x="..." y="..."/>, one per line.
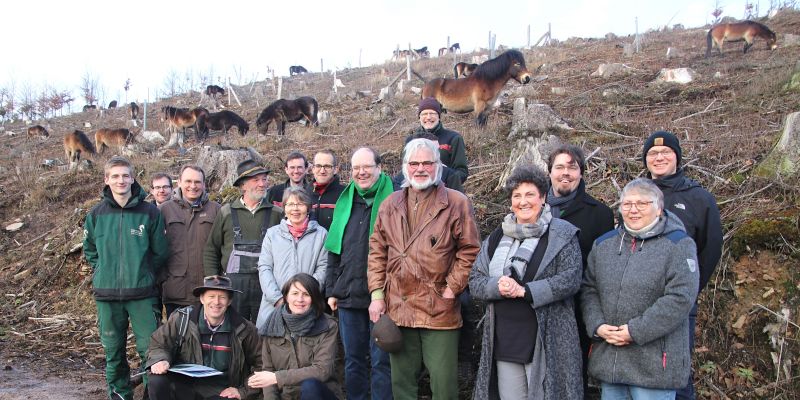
<point x="648" y="282"/>
<point x="282" y="257"/>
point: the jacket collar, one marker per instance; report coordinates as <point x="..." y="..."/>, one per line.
<point x="439" y="203"/>
<point x="178" y="197"/>
<point x="137" y="196"/>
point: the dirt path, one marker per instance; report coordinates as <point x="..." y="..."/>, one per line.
<point x="26" y="384"/>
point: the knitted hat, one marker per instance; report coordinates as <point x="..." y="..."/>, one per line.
<point x="662" y="138"/>
<point x="429" y="103"/>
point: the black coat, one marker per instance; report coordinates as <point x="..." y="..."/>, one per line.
<point x="592" y="217"/>
<point x="346" y="276"/>
<point x="322" y="205"/>
<point x="697" y="209"/>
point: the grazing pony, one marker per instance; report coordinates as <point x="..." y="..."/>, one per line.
<point x="297" y="70"/>
<point x="182" y="118"/>
<point x="423" y="52"/>
<point x="442" y="51"/>
<point x="224" y="120"/>
<point x="37" y="130"/>
<point x="214" y="90"/>
<point x="464" y="69"/>
<point x="283" y="111"/>
<point x="113" y="104"/>
<point x="745" y="31"/>
<point x="400" y="54"/>
<point x="455" y="47"/>
<point x="477" y="92"/>
<point x="117" y="138"/>
<point x="89" y="107"/>
<point x="133" y="110"/>
<point x="76" y="143"/>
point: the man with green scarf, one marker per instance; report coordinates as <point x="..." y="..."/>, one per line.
<point x="346" y="280"/>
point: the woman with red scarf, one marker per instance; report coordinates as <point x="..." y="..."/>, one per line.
<point x="295" y="245"/>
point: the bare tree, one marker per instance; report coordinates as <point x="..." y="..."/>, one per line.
<point x="171" y="83"/>
<point x="42" y="108"/>
<point x="27" y="104"/>
<point x="89" y="87"/>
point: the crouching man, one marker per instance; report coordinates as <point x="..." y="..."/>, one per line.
<point x="212" y="334"/>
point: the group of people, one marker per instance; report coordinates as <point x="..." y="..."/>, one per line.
<point x="251" y="288"/>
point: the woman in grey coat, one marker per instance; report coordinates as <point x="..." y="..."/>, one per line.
<point x="640" y="284"/>
<point x="528" y="271"/>
<point x="295" y="245"/>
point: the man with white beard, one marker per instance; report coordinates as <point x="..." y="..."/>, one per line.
<point x="424" y="242"/>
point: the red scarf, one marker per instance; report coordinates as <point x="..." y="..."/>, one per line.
<point x="297" y="231"/>
<point x="320" y="188"/>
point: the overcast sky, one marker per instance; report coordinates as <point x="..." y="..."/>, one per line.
<point x="58" y="42"/>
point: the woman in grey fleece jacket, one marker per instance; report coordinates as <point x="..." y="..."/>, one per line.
<point x="639" y="286"/>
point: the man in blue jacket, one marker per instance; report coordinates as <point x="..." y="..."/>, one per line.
<point x="125" y="244"/>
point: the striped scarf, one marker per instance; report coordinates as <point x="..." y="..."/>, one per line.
<point x="519" y="240"/>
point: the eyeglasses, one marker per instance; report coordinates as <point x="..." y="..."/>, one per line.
<point x="663" y="153"/>
<point x="326" y="166"/>
<point x="416" y="164"/>
<point x="157" y="188"/>
<point x="428" y="114"/>
<point x="357" y="168"/>
<point x="640" y="205"/>
<point x="294" y="205"/>
<point x="569" y="167"/>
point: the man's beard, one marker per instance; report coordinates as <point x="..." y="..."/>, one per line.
<point x="422" y="185"/>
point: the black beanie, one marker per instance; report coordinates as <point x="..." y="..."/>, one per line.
<point x="662" y="138"/>
<point x="429" y="103"/>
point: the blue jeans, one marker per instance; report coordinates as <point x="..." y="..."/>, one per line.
<point x="359" y="350"/>
<point x="314" y="389"/>
<point x="610" y="391"/>
<point x="687" y="393"/>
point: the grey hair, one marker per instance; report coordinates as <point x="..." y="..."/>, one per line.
<point x="644" y="187"/>
<point x="301" y="193"/>
<point x="412" y="147"/>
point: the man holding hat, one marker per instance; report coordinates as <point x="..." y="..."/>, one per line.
<point x="235" y="241"/>
<point x="212" y="334"/>
<point x="696" y="208"/>
<point x="451" y="144"/>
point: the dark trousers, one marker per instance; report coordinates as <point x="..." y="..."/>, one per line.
<point x="171" y="307"/>
<point x="171" y="386"/>
<point x="361" y="353"/>
<point x="687" y="393"/>
<point x="248" y="302"/>
<point x="314" y="389"/>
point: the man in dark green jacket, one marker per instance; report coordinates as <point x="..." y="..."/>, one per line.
<point x="124" y="242"/>
<point x="452" y="150"/>
<point x="234" y="245"/>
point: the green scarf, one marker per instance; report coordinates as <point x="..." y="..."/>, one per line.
<point x="374" y="196"/>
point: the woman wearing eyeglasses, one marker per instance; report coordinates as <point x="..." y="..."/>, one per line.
<point x="295" y="245"/>
<point x="639" y="286"/>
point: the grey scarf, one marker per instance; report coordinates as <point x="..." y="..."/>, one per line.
<point x="558" y="204"/>
<point x="519" y="240"/>
<point x="297" y="324"/>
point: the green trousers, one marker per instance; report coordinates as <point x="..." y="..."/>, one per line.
<point x="438" y="351"/>
<point x="112" y="318"/>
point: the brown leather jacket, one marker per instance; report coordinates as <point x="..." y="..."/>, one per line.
<point x="413" y="268"/>
<point x="187" y="231"/>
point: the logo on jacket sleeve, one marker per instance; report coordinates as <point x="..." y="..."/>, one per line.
<point x="138" y="232"/>
<point x="680" y="206"/>
<point x="445" y="146"/>
<point x="692" y="264"/>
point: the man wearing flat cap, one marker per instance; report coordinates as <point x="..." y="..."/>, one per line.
<point x="234" y="245"/>
<point x="212" y="334"/>
<point x="694" y="206"/>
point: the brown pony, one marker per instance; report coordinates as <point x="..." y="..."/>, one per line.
<point x="477" y="92"/>
<point x="745" y="31"/>
<point x="283" y="111"/>
<point x="464" y="69"/>
<point x="182" y="118"/>
<point x="113" y="104"/>
<point x="214" y="90"/>
<point x="133" y="111"/>
<point x="111" y="137"/>
<point x="224" y="120"/>
<point x="37" y="130"/>
<point x="76" y="143"/>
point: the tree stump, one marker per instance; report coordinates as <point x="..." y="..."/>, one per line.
<point x="220" y="165"/>
<point x="784" y="160"/>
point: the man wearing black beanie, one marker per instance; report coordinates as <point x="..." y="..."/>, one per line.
<point x="696" y="208"/>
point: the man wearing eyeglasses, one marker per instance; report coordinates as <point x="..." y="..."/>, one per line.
<point x="326" y="187"/>
<point x="160" y="188"/>
<point x="420" y="256"/>
<point x="694" y="206"/>
<point x="295" y="167"/>
<point x="452" y="150"/>
<point x="346" y="276"/>
<point x="569" y="201"/>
